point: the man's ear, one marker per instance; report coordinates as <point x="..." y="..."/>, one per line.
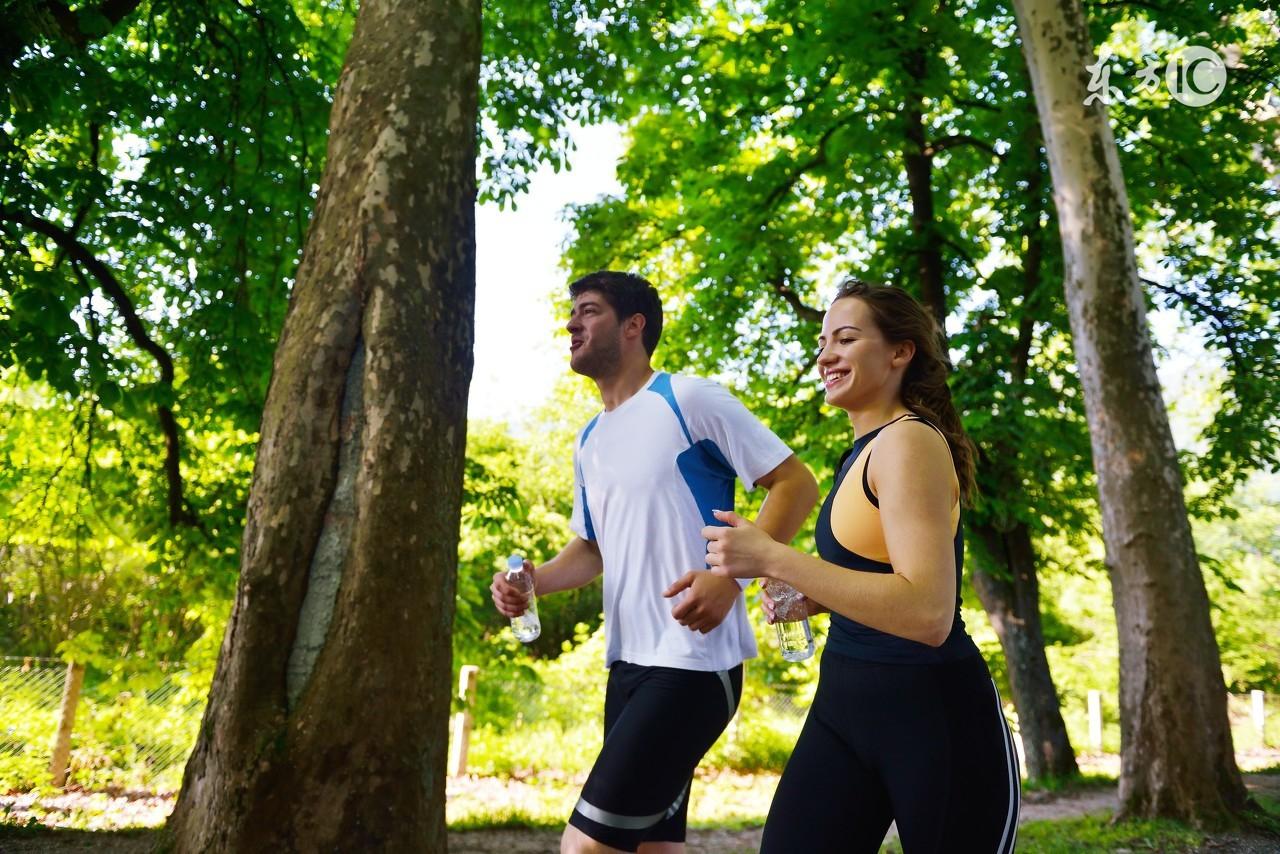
<point x="634" y="327"/>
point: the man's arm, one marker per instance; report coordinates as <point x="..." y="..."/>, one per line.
<point x="792" y="494"/>
<point x="576" y="565"/>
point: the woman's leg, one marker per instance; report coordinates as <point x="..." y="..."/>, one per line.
<point x="947" y="759"/>
<point x="986" y="783"/>
<point x="829" y="798"/>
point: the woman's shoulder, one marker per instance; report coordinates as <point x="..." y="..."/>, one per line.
<point x="912" y="442"/>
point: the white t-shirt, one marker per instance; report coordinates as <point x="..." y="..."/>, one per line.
<point x="648" y="474"/>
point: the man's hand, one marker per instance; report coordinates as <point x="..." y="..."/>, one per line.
<point x="509" y="601"/>
<point x="708" y="602"/>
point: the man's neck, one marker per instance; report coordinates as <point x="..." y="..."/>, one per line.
<point x="616" y="389"/>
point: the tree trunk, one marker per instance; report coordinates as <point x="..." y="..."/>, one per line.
<point x="1176" y="752"/>
<point x="1013" y="607"/>
<point x="1011" y="599"/>
<point x="326" y="728"/>
<point x="918" y="163"/>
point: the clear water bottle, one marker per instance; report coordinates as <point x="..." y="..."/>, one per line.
<point x="795" y="638"/>
<point x="525" y="627"/>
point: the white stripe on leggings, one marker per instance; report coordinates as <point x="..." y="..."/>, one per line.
<point x="1015" y="796"/>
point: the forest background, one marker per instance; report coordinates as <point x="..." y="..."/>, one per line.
<point x="159" y="167"/>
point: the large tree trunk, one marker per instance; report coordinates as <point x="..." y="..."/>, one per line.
<point x="1176" y="751"/>
<point x="1014" y="607"/>
<point x="326" y="728"/>
<point x="1011" y="598"/>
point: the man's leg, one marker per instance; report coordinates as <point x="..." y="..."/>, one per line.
<point x="574" y="841"/>
<point x="637" y="791"/>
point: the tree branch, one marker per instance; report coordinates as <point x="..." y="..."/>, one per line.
<point x="72" y="24"/>
<point x="1222" y="318"/>
<point x="79" y="254"/>
<point x="818" y="159"/>
<point x="957" y="139"/>
<point x="805" y="312"/>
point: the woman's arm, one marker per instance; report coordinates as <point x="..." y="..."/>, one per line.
<point x="912" y="469"/>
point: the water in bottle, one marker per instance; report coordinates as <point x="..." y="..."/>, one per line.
<point x="525" y="627"/>
<point x="795" y="638"/>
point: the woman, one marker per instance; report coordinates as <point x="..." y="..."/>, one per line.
<point x="906" y="723"/>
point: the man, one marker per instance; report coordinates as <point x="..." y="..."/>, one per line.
<point x="649" y="471"/>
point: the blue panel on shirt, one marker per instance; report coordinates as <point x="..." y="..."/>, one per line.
<point x="661" y="386"/>
<point x="703" y="465"/>
<point x="586" y="510"/>
<point x="710" y="478"/>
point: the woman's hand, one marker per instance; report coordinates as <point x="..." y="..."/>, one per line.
<point x="738" y="549"/>
<point x="796" y="610"/>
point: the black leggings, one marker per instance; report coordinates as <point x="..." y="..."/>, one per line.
<point x="926" y="745"/>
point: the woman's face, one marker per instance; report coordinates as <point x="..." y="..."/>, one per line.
<point x="857" y="365"/>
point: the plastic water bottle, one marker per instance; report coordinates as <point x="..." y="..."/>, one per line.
<point x="795" y="638"/>
<point x="525" y="627"/>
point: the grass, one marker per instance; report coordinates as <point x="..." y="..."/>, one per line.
<point x="1062" y="785"/>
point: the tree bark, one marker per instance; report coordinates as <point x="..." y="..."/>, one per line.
<point x="326" y="727"/>
<point x="1176" y="752"/>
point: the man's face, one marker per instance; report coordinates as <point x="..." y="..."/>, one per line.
<point x="595" y="336"/>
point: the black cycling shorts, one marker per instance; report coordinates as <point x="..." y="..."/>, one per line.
<point x="658" y="724"/>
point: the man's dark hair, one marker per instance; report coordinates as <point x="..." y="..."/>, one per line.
<point x="628" y="295"/>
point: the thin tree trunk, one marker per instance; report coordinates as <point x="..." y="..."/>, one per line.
<point x="1176" y="750"/>
<point x="918" y="164"/>
<point x="1012" y="602"/>
<point x="326" y="728"/>
<point x="1011" y="594"/>
<point x="1013" y="606"/>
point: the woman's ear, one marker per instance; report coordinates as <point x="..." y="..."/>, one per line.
<point x="903" y="352"/>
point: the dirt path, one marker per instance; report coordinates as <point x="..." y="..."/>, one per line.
<point x="1035" y="807"/>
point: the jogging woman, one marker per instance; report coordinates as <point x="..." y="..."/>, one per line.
<point x="906" y="724"/>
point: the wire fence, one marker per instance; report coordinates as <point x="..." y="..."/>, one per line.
<point x="130" y="731"/>
<point x="134" y="732"/>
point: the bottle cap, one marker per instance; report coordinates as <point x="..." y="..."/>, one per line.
<point x="515" y="563"/>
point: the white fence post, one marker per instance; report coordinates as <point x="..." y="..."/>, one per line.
<point x="462" y="721"/>
<point x="1259" y="716"/>
<point x="1095" y="720"/>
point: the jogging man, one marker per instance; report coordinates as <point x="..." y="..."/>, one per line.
<point x="649" y="470"/>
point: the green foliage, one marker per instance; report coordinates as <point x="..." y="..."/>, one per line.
<point x="157" y="175"/>
<point x="79" y="568"/>
<point x="1246" y="589"/>
<point x="518" y="495"/>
